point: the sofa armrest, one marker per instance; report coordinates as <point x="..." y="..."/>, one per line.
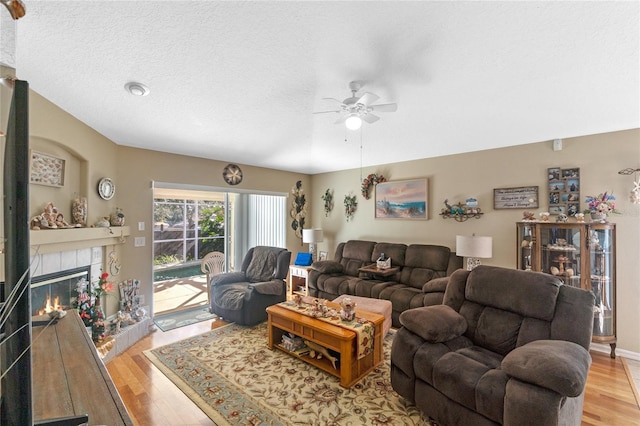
<point x="228" y="277"/>
<point x="273" y="287"/>
<point x="435" y="324"/>
<point x="327" y="267"/>
<point x="553" y="364"/>
<point x="436" y="285"/>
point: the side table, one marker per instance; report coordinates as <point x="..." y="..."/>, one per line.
<point x="297" y="280"/>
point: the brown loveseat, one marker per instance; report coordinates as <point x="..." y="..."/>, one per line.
<point x="420" y="280"/>
<point x="507" y="347"/>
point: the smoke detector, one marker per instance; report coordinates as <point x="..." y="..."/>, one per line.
<point x="136" y="89"/>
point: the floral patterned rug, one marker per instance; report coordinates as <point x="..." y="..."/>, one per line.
<point x="236" y="380"/>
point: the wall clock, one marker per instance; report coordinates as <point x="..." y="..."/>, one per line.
<point x="106" y="188"/>
<point x="232" y="174"/>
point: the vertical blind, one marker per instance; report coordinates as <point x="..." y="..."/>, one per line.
<point x="266" y="220"/>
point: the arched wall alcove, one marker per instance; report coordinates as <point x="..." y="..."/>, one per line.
<point x="75" y="178"/>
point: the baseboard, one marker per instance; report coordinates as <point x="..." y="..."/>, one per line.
<point x="605" y="348"/>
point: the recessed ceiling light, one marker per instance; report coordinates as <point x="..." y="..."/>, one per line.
<point x="136" y="89"/>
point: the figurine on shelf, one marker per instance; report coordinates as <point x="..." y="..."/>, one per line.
<point x="50" y="218"/>
<point x="348" y="311"/>
<point x="579" y="217"/>
<point x="318" y="351"/>
<point x="123" y="318"/>
<point x="528" y="216"/>
<point x="117" y="218"/>
<point x="562" y="218"/>
<point x="60" y="222"/>
<point x="544" y="216"/>
<point x="102" y="223"/>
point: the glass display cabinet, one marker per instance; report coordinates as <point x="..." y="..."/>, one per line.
<point x="581" y="255"/>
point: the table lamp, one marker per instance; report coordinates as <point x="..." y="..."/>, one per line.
<point x="312" y="236"/>
<point x="474" y="248"/>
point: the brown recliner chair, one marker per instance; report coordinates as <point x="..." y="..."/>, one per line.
<point x="243" y="297"/>
<point x="506" y="347"/>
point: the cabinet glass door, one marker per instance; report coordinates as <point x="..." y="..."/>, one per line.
<point x="561" y="253"/>
<point x="525" y="253"/>
<point x="602" y="280"/>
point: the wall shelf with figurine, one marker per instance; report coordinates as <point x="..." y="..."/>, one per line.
<point x="461" y="212"/>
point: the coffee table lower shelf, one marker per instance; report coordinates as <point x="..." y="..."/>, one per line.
<point x="339" y="340"/>
<point x="323" y="364"/>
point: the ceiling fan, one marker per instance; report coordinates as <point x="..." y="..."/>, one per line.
<point x="356" y="109"/>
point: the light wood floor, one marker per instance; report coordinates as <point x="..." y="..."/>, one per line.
<point x="153" y="400"/>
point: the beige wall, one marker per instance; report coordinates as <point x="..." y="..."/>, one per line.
<point x="91" y="157"/>
<point x="137" y="169"/>
<point x="458" y="177"/>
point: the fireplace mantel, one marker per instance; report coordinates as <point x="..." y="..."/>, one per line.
<point x="56" y="240"/>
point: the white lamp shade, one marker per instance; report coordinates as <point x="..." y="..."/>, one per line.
<point x="479" y="247"/>
<point x="353" y="122"/>
<point x="312" y="235"/>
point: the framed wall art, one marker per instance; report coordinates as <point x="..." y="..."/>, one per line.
<point x="524" y="197"/>
<point x="406" y="199"/>
<point x="46" y="169"/>
<point x="564" y="190"/>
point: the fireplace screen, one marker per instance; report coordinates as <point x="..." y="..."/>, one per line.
<point x="55" y="291"/>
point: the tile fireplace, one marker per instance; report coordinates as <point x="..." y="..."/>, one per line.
<point x="56" y="290"/>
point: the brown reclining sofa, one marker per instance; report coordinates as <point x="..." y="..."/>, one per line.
<point x="420" y="281"/>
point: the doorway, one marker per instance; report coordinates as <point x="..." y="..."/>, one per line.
<point x="191" y="222"/>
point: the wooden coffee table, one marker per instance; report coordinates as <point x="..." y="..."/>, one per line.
<point x="333" y="337"/>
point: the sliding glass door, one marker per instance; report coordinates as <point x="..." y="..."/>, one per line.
<point x="189" y="223"/>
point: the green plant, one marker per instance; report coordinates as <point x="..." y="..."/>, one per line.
<point x="165" y="259"/>
<point x="212" y="225"/>
<point x="328" y="201"/>
<point x="350" y="206"/>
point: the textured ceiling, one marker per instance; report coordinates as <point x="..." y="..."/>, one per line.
<point x="239" y="81"/>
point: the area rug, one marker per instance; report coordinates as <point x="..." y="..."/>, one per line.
<point x="166" y="322"/>
<point x="236" y="380"/>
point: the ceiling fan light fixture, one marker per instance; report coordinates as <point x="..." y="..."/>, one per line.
<point x="353" y="122"/>
<point x="136" y="89"/>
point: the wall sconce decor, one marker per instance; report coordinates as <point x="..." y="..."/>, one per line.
<point x="461" y="212"/>
<point x="634" y="195"/>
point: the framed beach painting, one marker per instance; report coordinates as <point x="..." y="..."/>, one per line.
<point x="405" y="199"/>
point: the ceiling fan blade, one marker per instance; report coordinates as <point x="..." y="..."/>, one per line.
<point x="341" y="120"/>
<point x="332" y="99"/>
<point x="370" y="118"/>
<point x="367" y="98"/>
<point x="326" y="112"/>
<point x="384" y="107"/>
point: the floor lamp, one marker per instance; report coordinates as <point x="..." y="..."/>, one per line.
<point x="474" y="248"/>
<point x="312" y="236"/>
